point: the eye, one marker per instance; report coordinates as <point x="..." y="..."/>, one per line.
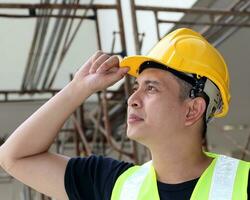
<point x="151" y="88"/>
<point x="134" y="88"/>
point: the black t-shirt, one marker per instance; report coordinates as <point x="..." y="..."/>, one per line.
<point x="93" y="178"/>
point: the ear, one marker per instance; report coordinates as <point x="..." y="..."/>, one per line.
<point x="195" y="109"/>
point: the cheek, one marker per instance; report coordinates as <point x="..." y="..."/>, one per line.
<point x="164" y="115"/>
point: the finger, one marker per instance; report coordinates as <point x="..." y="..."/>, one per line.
<point x="124" y="70"/>
<point x="111" y="63"/>
<point x="87" y="65"/>
<point x="112" y="70"/>
<point x="96" y="55"/>
<point x="98" y="62"/>
<point x="114" y="77"/>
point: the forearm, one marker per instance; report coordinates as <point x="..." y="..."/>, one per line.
<point x="38" y="132"/>
<point x="25" y="154"/>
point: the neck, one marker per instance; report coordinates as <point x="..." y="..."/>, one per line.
<point x="177" y="163"/>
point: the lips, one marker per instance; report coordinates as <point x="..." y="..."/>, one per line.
<point x="133" y="118"/>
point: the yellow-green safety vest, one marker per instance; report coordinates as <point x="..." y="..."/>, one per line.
<point x="225" y="178"/>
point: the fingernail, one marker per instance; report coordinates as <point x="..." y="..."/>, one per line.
<point x="125" y="69"/>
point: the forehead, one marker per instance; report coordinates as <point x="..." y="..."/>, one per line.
<point x="162" y="76"/>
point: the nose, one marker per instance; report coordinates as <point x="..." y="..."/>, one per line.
<point x="134" y="100"/>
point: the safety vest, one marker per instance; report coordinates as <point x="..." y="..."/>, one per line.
<point x="225" y="178"/>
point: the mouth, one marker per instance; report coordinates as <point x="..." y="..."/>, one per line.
<point x="133" y="118"/>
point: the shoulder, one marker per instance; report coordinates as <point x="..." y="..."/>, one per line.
<point x="93" y="175"/>
<point x="95" y="163"/>
<point x="95" y="167"/>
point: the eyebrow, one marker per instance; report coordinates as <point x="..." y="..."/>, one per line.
<point x="147" y="82"/>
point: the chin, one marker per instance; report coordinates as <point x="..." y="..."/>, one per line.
<point x="136" y="135"/>
<point x="132" y="133"/>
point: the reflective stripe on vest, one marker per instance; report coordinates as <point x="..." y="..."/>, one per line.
<point x="225" y="179"/>
<point x="132" y="186"/>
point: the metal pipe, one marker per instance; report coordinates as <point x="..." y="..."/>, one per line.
<point x="66" y="48"/>
<point x="157" y="25"/>
<point x="36" y="53"/>
<point x="227" y="34"/>
<point x="205" y="23"/>
<point x="69" y="28"/>
<point x="41" y="42"/>
<point x="193" y="10"/>
<point x="98" y="36"/>
<point x="46" y="15"/>
<point x="21" y="92"/>
<point x="31" y="55"/>
<point x="107" y="126"/>
<point x="60" y="27"/>
<point x="55" y="6"/>
<point x="210" y="32"/>
<point x="135" y="27"/>
<point x="82" y="136"/>
<point x="121" y="28"/>
<point x="224" y="34"/>
<point x="138" y="7"/>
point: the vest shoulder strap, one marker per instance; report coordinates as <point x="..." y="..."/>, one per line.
<point x="130" y="184"/>
<point x="119" y="184"/>
<point x="241" y="181"/>
<point x="225" y="178"/>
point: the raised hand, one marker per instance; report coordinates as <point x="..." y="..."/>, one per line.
<point x="26" y="151"/>
<point x="99" y="72"/>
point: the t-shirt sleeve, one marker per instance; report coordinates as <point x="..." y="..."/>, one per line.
<point x="92" y="178"/>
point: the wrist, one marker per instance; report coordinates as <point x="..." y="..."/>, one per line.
<point x="77" y="93"/>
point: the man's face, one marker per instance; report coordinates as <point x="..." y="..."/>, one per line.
<point x="155" y="111"/>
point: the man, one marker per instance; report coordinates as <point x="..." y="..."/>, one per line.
<point x="181" y="84"/>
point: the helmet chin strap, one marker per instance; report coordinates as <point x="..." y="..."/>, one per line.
<point x="198" y="87"/>
<point x="198" y="91"/>
<point x="207" y="89"/>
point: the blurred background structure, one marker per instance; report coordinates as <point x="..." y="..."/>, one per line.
<point x="43" y="42"/>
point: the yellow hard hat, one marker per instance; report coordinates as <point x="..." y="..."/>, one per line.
<point x="186" y="51"/>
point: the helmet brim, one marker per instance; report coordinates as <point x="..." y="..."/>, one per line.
<point x="134" y="63"/>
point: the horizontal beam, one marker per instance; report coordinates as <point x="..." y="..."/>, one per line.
<point x="193" y="10"/>
<point x="28" y="91"/>
<point x="50" y="16"/>
<point x="113" y="6"/>
<point x="22" y="100"/>
<point x="55" y="6"/>
<point x="50" y="91"/>
<point x="205" y="23"/>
